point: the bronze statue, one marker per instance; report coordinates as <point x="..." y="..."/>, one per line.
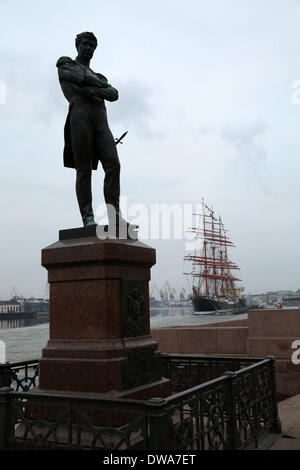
<point x="88" y="138"/>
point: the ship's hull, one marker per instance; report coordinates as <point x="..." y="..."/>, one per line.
<point x="205" y="304"/>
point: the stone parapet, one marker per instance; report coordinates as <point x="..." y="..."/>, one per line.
<point x="264" y="333"/>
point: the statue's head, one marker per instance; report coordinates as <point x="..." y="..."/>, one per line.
<point x="86" y="44"/>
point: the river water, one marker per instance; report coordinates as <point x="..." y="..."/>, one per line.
<point x="21" y="322"/>
<point x="178" y="316"/>
<point x="175" y="316"/>
<point x="26" y="342"/>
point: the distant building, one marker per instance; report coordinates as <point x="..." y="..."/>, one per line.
<point x="34" y="304"/>
<point x="291" y="300"/>
<point x="10" y="306"/>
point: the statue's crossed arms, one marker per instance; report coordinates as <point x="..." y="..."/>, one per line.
<point x="85" y="81"/>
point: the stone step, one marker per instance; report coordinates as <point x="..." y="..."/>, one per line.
<point x="289" y="414"/>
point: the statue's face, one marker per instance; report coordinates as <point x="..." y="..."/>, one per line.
<point x="86" y="49"/>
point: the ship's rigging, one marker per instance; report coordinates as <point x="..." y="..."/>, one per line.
<point x="211" y="268"/>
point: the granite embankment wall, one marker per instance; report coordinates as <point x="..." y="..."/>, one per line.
<point x="263" y="333"/>
<point x="227" y="337"/>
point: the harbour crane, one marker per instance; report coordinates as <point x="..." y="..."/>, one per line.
<point x="165" y="292"/>
<point x="154" y="292"/>
<point x="172" y="294"/>
<point x="182" y="294"/>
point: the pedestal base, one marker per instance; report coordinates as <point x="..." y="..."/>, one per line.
<point x="99" y="366"/>
<point x="159" y="389"/>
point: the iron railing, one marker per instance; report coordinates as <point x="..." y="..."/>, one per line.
<point x="20" y="376"/>
<point x="234" y="411"/>
<point x="219" y="403"/>
<point x="187" y="371"/>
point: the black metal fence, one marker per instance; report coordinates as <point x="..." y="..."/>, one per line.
<point x="217" y="403"/>
<point x="20" y="376"/>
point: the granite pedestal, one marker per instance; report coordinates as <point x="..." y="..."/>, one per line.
<point x="100" y="339"/>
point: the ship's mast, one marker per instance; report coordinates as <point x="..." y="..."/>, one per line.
<point x="205" y="248"/>
<point x="211" y="215"/>
<point x="221" y="258"/>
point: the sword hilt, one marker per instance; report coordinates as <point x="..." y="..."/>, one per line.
<point x="119" y="140"/>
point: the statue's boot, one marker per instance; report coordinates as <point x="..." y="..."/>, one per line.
<point x="87" y="215"/>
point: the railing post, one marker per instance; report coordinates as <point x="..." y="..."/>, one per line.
<point x="232" y="424"/>
<point x="158" y="425"/>
<point x="276" y="428"/>
<point x="5" y="375"/>
<point x="164" y="364"/>
<point x="5" y="418"/>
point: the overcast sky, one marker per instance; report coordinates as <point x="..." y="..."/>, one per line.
<point x="206" y="95"/>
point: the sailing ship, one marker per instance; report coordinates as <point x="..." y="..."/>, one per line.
<point x="210" y="268"/>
